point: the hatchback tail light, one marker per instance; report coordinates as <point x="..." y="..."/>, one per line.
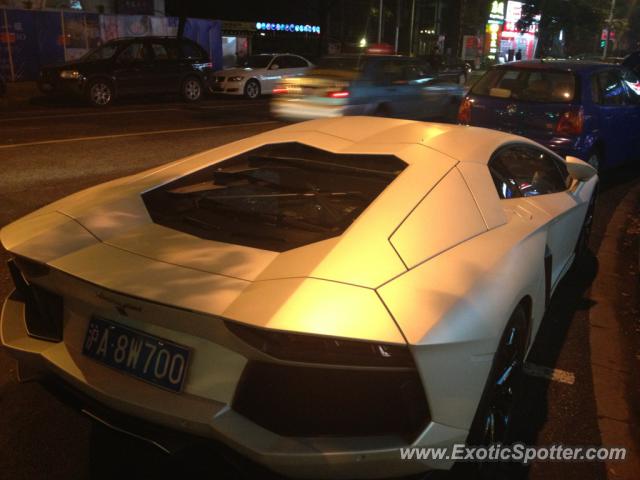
<point x="464" y="114"/>
<point x="571" y="122"/>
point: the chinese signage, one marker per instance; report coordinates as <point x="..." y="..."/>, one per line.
<point x="287" y="27"/>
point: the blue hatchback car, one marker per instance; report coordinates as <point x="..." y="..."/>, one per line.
<point x="587" y="110"/>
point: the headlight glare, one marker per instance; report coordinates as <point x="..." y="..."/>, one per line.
<point x="70" y="74"/>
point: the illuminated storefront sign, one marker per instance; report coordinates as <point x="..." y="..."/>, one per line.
<point x="287" y="27"/>
<point x="496" y="15"/>
<point x="503" y="37"/>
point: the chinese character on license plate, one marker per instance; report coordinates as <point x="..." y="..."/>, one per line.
<point x="149" y="358"/>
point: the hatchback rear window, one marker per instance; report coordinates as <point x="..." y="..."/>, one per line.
<point x="528" y="85"/>
<point x="275" y="197"/>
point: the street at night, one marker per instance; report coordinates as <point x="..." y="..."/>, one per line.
<point x="385" y="239"/>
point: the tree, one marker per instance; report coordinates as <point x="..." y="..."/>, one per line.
<point x="580" y="20"/>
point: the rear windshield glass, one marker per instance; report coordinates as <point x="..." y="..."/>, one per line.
<point x="527" y="84"/>
<point x="276" y="197"/>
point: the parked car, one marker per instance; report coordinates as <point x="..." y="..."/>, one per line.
<point x="378" y="85"/>
<point x="128" y="66"/>
<point x="317" y="297"/>
<point x="590" y="110"/>
<point x="258" y="74"/>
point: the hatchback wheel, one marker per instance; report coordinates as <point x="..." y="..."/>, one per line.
<point x="100" y="93"/>
<point x="192" y="90"/>
<point x="252" y="89"/>
<point x="594" y="160"/>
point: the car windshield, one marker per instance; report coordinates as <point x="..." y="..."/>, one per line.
<point x="527" y="84"/>
<point x="103" y="52"/>
<point x="256" y="61"/>
<point x="276" y="197"/>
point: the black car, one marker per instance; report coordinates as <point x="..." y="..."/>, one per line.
<point x="133" y="66"/>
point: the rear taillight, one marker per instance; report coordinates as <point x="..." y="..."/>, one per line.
<point x="279" y="90"/>
<point x="464" y="114"/>
<point x="571" y="122"/>
<point x="338" y="94"/>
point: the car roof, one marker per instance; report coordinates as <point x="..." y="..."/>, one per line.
<point x="460" y="142"/>
<point x="564" y="65"/>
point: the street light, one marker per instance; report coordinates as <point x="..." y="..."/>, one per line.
<point x="363" y="42"/>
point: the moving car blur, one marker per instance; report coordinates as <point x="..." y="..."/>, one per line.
<point x="590" y="110"/>
<point x="378" y="85"/>
<point x="258" y="74"/>
<point x="132" y="66"/>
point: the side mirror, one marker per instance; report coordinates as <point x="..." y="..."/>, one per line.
<point x="579" y="169"/>
<point x="274" y="66"/>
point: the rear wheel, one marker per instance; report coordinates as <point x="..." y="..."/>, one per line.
<point x="582" y="246"/>
<point x="382" y="110"/>
<point x="192" y="90"/>
<point x="100" y="93"/>
<point x="493" y="422"/>
<point x="595" y="160"/>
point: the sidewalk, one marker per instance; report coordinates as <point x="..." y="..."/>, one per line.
<point x="615" y="337"/>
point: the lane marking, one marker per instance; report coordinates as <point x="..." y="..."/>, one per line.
<point x="547" y="373"/>
<point x="134" y="134"/>
<point x="123" y="112"/>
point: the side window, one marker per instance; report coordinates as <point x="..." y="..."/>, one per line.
<point x="296" y="62"/>
<point x="164" y="50"/>
<point x="523" y="171"/>
<point x="159" y="51"/>
<point x="134" y="52"/>
<point x="415" y="71"/>
<point x="632" y="82"/>
<point x="191" y="51"/>
<point x="281" y="61"/>
<point x="389" y="72"/>
<point x="612" y="91"/>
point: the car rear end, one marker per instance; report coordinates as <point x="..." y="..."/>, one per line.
<point x="329" y="90"/>
<point x="534" y="100"/>
<point x="270" y="367"/>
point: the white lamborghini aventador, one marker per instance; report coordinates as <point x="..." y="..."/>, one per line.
<point x="316" y="297"/>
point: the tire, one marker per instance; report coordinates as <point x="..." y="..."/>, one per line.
<point x="595" y="160"/>
<point x="503" y="392"/>
<point x="192" y="90"/>
<point x="100" y="93"/>
<point x="382" y="110"/>
<point x="582" y="245"/>
<point x="252" y="89"/>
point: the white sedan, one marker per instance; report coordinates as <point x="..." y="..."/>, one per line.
<point x="317" y="297"/>
<point x="259" y="74"/>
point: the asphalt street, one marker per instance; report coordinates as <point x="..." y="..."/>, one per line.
<point x="51" y="149"/>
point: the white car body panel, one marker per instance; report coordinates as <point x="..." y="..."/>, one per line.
<point x="437" y="262"/>
<point x="267" y="77"/>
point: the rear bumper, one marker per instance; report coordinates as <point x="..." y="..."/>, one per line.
<point x="143" y="410"/>
<point x="298" y="109"/>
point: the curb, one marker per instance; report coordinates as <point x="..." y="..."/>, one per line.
<point x="610" y="368"/>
